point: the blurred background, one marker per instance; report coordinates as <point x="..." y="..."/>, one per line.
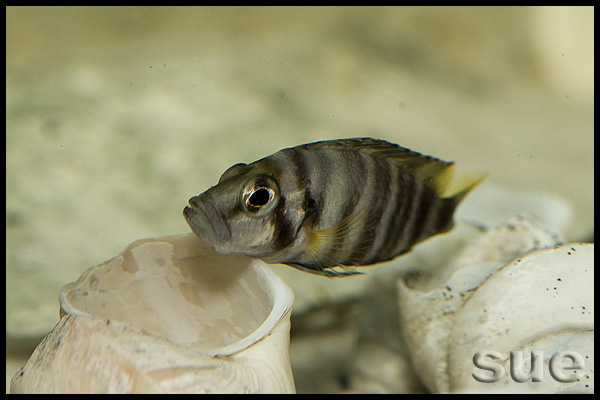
<point x="117" y="115"/>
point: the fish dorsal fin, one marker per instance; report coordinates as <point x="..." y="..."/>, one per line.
<point x="439" y="175"/>
<point x="435" y="173"/>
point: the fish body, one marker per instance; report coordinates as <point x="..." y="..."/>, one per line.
<point x="336" y="203"/>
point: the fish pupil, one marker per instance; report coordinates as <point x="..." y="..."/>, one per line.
<point x="259" y="198"/>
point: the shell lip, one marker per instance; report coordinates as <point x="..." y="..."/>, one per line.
<point x="65" y="306"/>
<point x="279" y="293"/>
<point x="282" y="297"/>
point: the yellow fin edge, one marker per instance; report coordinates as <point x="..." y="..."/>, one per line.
<point x="446" y="187"/>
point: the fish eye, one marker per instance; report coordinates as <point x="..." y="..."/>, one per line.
<point x="259" y="197"/>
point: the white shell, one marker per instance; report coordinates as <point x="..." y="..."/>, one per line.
<point x="542" y="301"/>
<point x="168" y="315"/>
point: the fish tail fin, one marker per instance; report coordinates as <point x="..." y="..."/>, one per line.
<point x="456" y="189"/>
<point x="451" y="193"/>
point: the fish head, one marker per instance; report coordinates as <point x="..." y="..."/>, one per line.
<point x="243" y="213"/>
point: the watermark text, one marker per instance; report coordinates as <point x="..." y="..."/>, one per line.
<point x="562" y="366"/>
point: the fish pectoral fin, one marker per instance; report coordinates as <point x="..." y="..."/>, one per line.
<point x="329" y="251"/>
<point x="329" y="272"/>
<point x="334" y="245"/>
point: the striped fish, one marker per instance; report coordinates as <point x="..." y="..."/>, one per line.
<point x="337" y="203"/>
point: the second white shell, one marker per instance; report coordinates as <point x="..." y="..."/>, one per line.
<point x="540" y="302"/>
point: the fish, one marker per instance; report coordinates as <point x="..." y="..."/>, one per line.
<point x="330" y="206"/>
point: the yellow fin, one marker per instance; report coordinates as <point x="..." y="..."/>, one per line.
<point x="439" y="176"/>
<point x="435" y="173"/>
<point x="325" y="248"/>
<point x="336" y="235"/>
<point x="460" y="188"/>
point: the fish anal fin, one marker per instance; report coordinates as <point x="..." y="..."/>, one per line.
<point x="329" y="272"/>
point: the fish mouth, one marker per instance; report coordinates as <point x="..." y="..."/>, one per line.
<point x="205" y="220"/>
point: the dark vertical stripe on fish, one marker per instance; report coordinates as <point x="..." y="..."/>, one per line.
<point x="443" y="212"/>
<point x="355" y="203"/>
<point x="379" y="188"/>
<point x="390" y="209"/>
<point x="407" y="189"/>
<point x="403" y="234"/>
<point x="427" y="214"/>
<point x="335" y="163"/>
<point x="416" y="225"/>
<point x="284" y="229"/>
<point x="369" y="178"/>
<point x="309" y="163"/>
<point x="287" y="164"/>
